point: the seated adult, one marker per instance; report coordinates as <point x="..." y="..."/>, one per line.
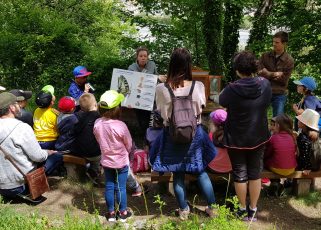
<point x="18" y="139"/>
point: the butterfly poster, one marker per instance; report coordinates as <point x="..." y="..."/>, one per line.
<point x="138" y="88"/>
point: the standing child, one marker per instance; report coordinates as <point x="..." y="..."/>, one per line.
<point x="221" y="163"/>
<point x="45" y="120"/>
<point x="115" y="144"/>
<point x="308" y="122"/>
<point x="85" y="144"/>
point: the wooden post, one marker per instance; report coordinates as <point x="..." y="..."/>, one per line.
<point x="302" y="186"/>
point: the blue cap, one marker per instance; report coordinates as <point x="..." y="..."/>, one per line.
<point x="308" y="82"/>
<point x="81" y="71"/>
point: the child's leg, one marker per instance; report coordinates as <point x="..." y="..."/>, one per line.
<point x="94" y="164"/>
<point x="110" y="179"/>
<point x="132" y="183"/>
<point x="120" y="188"/>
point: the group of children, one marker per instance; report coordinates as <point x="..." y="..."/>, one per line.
<point x="96" y="133"/>
<point x="291" y="147"/>
<point x="93" y="131"/>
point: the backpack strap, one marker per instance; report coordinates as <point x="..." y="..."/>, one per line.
<point x="192" y="88"/>
<point x="172" y="93"/>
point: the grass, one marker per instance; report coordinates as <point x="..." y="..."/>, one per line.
<point x="311" y="199"/>
<point x="12" y="219"/>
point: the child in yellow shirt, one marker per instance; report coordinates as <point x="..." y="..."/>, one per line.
<point x="45" y="120"/>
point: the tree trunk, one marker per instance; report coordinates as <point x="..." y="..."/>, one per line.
<point x="260" y="25"/>
<point x="232" y="21"/>
<point x="212" y="26"/>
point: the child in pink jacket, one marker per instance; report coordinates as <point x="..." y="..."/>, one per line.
<point x="115" y="144"/>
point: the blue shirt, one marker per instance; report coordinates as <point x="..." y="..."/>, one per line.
<point x="75" y="90"/>
<point x="312" y="102"/>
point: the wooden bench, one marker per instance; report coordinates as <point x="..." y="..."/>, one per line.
<point x="302" y="183"/>
<point x="74" y="165"/>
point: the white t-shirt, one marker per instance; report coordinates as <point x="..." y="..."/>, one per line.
<point x="164" y="102"/>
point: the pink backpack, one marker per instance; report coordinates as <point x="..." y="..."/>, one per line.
<point x="139" y="162"/>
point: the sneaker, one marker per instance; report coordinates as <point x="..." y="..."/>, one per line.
<point x="266" y="182"/>
<point x="251" y="214"/>
<point x="242" y="214"/>
<point x="210" y="212"/>
<point x="111" y="216"/>
<point x="183" y="214"/>
<point x="122" y="216"/>
<point x="138" y="192"/>
<point x="27" y="198"/>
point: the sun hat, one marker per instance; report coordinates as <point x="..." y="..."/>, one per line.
<point x="7" y="99"/>
<point x="218" y="116"/>
<point x="66" y="104"/>
<point x="310" y="118"/>
<point x="81" y="71"/>
<point x="21" y="93"/>
<point x="49" y="89"/>
<point x="308" y="82"/>
<point x="110" y="99"/>
<point x="43" y="99"/>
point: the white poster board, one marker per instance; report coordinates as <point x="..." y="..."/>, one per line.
<point x="138" y="88"/>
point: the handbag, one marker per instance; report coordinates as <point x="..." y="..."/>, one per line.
<point x="36" y="179"/>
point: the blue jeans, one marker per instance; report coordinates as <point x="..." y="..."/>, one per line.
<point x="278" y="103"/>
<point x="116" y="182"/>
<point x="47" y="144"/>
<point x="53" y="161"/>
<point x="13" y="192"/>
<point x="204" y="183"/>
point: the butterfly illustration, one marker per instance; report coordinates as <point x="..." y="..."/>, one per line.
<point x="123" y="86"/>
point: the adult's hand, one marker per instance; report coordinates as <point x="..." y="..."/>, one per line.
<point x="50" y="152"/>
<point x="162" y="78"/>
<point x="277" y="75"/>
<point x="264" y="72"/>
<point x="306" y="172"/>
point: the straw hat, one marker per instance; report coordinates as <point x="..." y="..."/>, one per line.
<point x="310" y="118"/>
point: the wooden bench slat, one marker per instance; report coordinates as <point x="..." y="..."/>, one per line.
<point x="74" y="159"/>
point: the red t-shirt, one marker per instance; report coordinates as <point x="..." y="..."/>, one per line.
<point x="280" y="152"/>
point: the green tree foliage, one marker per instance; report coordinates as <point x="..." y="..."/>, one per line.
<point x="232" y="24"/>
<point x="260" y="29"/>
<point x="41" y="41"/>
<point x="213" y="22"/>
<point x="198" y="25"/>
